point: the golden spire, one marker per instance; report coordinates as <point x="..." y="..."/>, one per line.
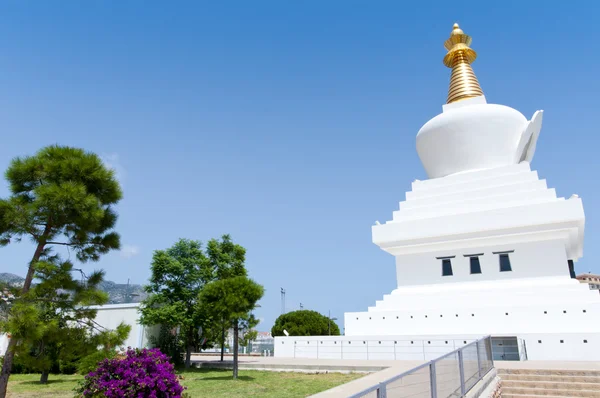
<point x="463" y="83"/>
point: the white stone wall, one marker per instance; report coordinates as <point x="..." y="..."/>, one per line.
<point x="499" y="308"/>
<point x="537" y="346"/>
<point x="483" y="212"/>
<point x="563" y="346"/>
<point x="528" y="260"/>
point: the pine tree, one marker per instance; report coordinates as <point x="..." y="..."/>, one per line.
<point x="53" y="321"/>
<point x="61" y="196"/>
<point x="228" y="260"/>
<point x="233" y="300"/>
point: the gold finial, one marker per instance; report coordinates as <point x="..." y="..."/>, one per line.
<point x="456" y="30"/>
<point x="463" y="82"/>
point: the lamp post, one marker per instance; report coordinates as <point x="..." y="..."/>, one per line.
<point x="330" y="319"/>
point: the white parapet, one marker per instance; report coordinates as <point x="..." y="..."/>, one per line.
<point x="372" y="347"/>
<point x="531" y="346"/>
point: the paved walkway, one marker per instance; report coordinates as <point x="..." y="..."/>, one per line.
<point x="378" y="370"/>
<point x="358" y="385"/>
<point x="304" y="364"/>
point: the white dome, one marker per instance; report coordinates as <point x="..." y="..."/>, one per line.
<point x="473" y="135"/>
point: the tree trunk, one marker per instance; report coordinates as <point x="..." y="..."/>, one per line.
<point x="10" y="351"/>
<point x="236" y="331"/>
<point x="44" y="377"/>
<point x="188" y="351"/>
<point x="223" y="342"/>
<point x="188" y="356"/>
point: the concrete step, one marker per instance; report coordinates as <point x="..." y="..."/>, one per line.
<point x="548" y="372"/>
<point x="507" y="390"/>
<point x="532" y="396"/>
<point x="546" y="378"/>
<point x="551" y="385"/>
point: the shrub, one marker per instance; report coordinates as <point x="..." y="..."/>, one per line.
<point x="304" y="323"/>
<point x="169" y="343"/>
<point x="21" y="365"/>
<point x="141" y="373"/>
<point x="18" y="367"/>
<point x="90" y="363"/>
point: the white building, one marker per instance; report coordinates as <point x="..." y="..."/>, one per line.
<point x="483" y="247"/>
<point x="592" y="280"/>
<point x="109" y="316"/>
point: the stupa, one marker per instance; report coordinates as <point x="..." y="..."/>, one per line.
<point x="484" y="247"/>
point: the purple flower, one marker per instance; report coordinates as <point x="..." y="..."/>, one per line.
<point x="140" y="374"/>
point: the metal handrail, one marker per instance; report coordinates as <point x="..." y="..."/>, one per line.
<point x="380" y="388"/>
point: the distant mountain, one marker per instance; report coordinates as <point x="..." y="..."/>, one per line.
<point x="11" y="279"/>
<point x="123" y="293"/>
<point x="118" y="293"/>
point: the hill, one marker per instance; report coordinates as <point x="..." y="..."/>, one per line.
<point x="118" y="292"/>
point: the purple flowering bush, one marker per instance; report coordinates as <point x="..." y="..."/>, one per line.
<point x="140" y="374"/>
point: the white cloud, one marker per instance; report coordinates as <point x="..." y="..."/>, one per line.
<point x="128" y="251"/>
<point x="111" y="160"/>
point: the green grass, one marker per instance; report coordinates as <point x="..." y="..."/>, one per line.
<point x="202" y="383"/>
<point x="25" y="386"/>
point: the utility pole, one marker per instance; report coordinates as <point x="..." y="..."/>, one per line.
<point x="282" y="301"/>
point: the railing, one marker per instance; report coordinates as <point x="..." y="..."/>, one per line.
<point x="451" y="375"/>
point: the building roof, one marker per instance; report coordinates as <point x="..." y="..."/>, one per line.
<point x="587" y="277"/>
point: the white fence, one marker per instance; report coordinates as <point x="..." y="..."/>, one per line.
<point x="380" y="348"/>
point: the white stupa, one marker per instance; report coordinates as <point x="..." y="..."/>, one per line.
<point x="484" y="247"/>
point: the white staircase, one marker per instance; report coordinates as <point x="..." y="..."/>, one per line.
<point x="534" y="383"/>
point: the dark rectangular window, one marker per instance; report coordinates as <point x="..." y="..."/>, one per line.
<point x="446" y="267"/>
<point x="475" y="265"/>
<point x="505" y="263"/>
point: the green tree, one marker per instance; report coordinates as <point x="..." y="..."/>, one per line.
<point x="54" y="323"/>
<point x="228" y="260"/>
<point x="60" y="196"/>
<point x="45" y="317"/>
<point x="248" y="336"/>
<point x="178" y="275"/>
<point x="168" y="342"/>
<point x="233" y="300"/>
<point x="86" y="354"/>
<point x="304" y="323"/>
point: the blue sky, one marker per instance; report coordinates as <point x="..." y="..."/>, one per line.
<point x="289" y="125"/>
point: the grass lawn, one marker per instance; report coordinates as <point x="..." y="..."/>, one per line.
<point x="202" y="383"/>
